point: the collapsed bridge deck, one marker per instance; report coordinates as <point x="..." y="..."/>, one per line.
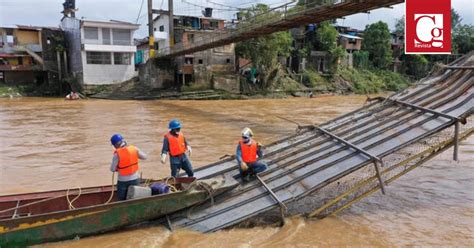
<point x="319" y="155"/>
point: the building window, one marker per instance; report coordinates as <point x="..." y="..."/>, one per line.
<point x="48" y="41"/>
<point x="121" y="37"/>
<point x="10" y="39"/>
<point x="190" y="38"/>
<point x="228" y="61"/>
<point x="122" y="58"/>
<point x="162" y="28"/>
<point x="200" y="61"/>
<point x="214" y="24"/>
<point x="98" y="58"/>
<point x="91" y="33"/>
<point x="188" y="61"/>
<point x="352" y="41"/>
<point x="106" y="36"/>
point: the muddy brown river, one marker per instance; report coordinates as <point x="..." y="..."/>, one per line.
<point x="50" y="144"/>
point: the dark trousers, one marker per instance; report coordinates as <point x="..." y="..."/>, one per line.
<point x="254" y="168"/>
<point x="122" y="188"/>
<point x="181" y="162"/>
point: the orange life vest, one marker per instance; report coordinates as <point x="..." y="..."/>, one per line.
<point x="177" y="145"/>
<point x="249" y="152"/>
<point x="128" y="160"/>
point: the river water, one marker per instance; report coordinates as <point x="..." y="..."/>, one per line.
<point x="50" y="144"/>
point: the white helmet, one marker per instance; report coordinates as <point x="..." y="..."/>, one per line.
<point x="247" y="132"/>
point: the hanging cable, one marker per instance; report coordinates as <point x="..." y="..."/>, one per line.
<point x="140" y="11"/>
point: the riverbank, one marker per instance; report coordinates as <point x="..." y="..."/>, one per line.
<point x="10" y="91"/>
<point x="309" y="83"/>
<point x="346" y="81"/>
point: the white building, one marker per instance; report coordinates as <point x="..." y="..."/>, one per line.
<point x="101" y="52"/>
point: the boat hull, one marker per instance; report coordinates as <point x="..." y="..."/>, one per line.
<point x="92" y="220"/>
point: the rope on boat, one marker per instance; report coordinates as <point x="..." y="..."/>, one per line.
<point x="210" y="195"/>
<point x="112" y="189"/>
<point x="31" y="203"/>
<point x="172" y="187"/>
<point x="75" y="198"/>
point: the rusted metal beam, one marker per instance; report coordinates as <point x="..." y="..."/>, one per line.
<point x="436" y="113"/>
<point x="427" y="110"/>
<point x="282" y="205"/>
<point x="375" y="159"/>
<point x="459" y="67"/>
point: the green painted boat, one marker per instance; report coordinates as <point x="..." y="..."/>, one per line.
<point x="34" y="218"/>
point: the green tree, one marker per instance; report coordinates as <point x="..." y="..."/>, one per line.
<point x="400" y="25"/>
<point x="463" y="39"/>
<point x="416" y="65"/>
<point x="326" y="37"/>
<point x="263" y="51"/>
<point x="377" y="43"/>
<point x="462" y="35"/>
<point x="455" y="19"/>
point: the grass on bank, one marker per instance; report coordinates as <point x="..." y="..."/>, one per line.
<point x="366" y="81"/>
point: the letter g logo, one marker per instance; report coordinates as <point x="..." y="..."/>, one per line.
<point x="429" y="29"/>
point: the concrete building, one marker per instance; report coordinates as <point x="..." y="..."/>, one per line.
<point x="101" y="52"/>
<point x="351" y="44"/>
<point x="199" y="67"/>
<point x="32" y="55"/>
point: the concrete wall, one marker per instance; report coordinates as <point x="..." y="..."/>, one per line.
<point x="25" y="37"/>
<point x="24" y="77"/>
<point x="107" y="74"/>
<point x="155" y="77"/>
<point x="162" y="37"/>
<point x="228" y="83"/>
<point x="344" y="42"/>
<point x="72" y="34"/>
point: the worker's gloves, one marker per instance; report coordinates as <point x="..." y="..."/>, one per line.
<point x="259" y="144"/>
<point x="190" y="150"/>
<point x="163" y="158"/>
<point x="244" y="166"/>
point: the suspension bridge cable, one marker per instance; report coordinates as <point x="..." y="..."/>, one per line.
<point x="140" y="11"/>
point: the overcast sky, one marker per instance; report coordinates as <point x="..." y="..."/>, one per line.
<point x="47" y="12"/>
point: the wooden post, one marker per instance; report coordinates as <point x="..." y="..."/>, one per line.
<point x="171" y="23"/>
<point x="58" y="57"/>
<point x="456" y="141"/>
<point x="151" y="37"/>
<point x="66" y="69"/>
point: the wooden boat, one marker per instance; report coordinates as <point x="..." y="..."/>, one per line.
<point x="33" y="218"/>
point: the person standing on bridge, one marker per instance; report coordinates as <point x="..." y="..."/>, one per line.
<point x="125" y="162"/>
<point x="247" y="153"/>
<point x="176" y="145"/>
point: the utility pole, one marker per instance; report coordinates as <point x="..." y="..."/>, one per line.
<point x="151" y="37"/>
<point x="171" y="22"/>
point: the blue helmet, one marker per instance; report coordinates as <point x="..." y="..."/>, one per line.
<point x="116" y="138"/>
<point x="174" y="124"/>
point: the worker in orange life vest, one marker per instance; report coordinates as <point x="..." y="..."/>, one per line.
<point x="176" y="145"/>
<point x="247" y="153"/>
<point x="125" y="162"/>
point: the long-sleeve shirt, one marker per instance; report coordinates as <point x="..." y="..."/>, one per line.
<point x="115" y="162"/>
<point x="238" y="153"/>
<point x="166" y="149"/>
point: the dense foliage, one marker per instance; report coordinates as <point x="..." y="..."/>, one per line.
<point x="377" y="43"/>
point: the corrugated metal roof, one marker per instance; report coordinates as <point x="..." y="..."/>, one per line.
<point x="351" y="36"/>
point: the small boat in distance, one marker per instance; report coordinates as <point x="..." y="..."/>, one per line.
<point x="34" y="218"/>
